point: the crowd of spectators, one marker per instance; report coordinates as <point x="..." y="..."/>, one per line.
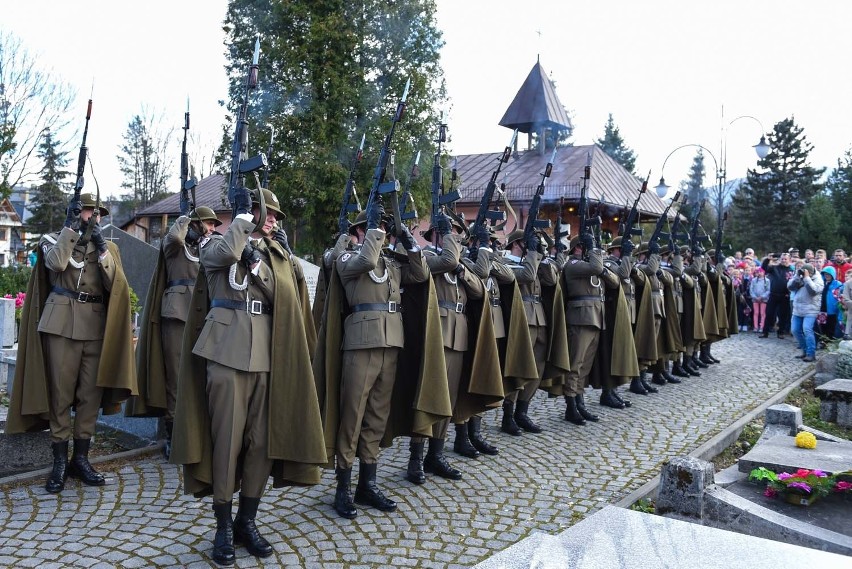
<point x="809" y="295"/>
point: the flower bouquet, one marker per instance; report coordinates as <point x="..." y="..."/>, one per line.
<point x="802" y="487"/>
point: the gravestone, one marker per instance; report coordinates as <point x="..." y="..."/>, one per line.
<point x="7" y="322"/>
<point x="836" y="401"/>
<point x="682" y="484"/>
<point x="780" y="454"/>
<point x="137" y="258"/>
<point x="311" y="272"/>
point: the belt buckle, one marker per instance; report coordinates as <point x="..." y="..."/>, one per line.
<point x="459" y="307"/>
<point x="393" y="307"/>
<point x="256" y="307"/>
<point x="495" y="302"/>
<point x="82" y="297"/>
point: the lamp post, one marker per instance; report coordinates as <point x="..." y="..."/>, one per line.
<point x="662" y="188"/>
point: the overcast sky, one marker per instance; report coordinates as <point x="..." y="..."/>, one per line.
<point x="664" y="69"/>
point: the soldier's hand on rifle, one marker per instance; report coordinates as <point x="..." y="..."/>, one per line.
<point x="250" y="255"/>
<point x="184" y="204"/>
<point x="98" y="239"/>
<point x="654" y="248"/>
<point x="242" y="201"/>
<point x="375" y="211"/>
<point x="443" y="225"/>
<point x="192" y="236"/>
<point x="343" y="226"/>
<point x="697" y="250"/>
<point x="73" y="213"/>
<point x="406" y="238"/>
<point x="626" y="247"/>
<point x="482" y="236"/>
<point x="587" y="240"/>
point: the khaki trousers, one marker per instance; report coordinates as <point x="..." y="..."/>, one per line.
<point x="239" y="421"/>
<point x="72" y="368"/>
<point x="171" y="331"/>
<point x="454" y="361"/>
<point x="582" y="348"/>
<point x="365" y="396"/>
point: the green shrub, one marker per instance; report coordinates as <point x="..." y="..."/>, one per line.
<point x="14" y="280"/>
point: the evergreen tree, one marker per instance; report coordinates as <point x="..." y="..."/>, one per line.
<point x="49" y="200"/>
<point x="693" y="187"/>
<point x="767" y="208"/>
<point x="330" y="71"/>
<point x="144" y="162"/>
<point x="839" y="186"/>
<point x="819" y="227"/>
<point x="613" y="144"/>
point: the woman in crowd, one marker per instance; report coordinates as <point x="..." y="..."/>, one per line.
<point x="828" y="308"/>
<point x="806" y="289"/>
<point x="759" y="290"/>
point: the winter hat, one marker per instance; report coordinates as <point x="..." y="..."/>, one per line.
<point x="830" y="271"/>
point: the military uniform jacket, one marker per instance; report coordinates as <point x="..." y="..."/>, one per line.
<point x="532" y="273"/>
<point x="453" y="291"/>
<point x="692" y="325"/>
<point x="585" y="283"/>
<point x="181" y="271"/>
<point x="30" y="401"/>
<point x="670" y="333"/>
<point x="623" y="267"/>
<point x="343" y="243"/>
<point x="494" y="275"/>
<point x="650" y="268"/>
<point x="615" y="360"/>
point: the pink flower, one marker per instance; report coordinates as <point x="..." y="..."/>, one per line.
<point x="843" y="486"/>
<point x="784" y="476"/>
<point x="770" y="492"/>
<point x="803" y="473"/>
<point x="819" y="473"/>
<point x="800" y="486"/>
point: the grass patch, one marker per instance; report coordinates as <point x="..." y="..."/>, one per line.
<point x="744" y="443"/>
<point x="644" y="505"/>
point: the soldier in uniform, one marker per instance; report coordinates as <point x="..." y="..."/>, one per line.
<point x="532" y="272"/>
<point x="75" y="347"/>
<point x="454" y="285"/>
<point x="246" y="411"/>
<point x="584" y="282"/>
<point x="649" y="265"/>
<point x="164" y="317"/>
<point x="619" y="261"/>
<point x="692" y="326"/>
<point x="372" y="339"/>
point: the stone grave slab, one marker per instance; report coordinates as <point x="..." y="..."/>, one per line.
<point x="138" y="259"/>
<point x="618" y="538"/>
<point x="836" y="401"/>
<point x="781" y="454"/>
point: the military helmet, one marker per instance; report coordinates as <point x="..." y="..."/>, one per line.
<point x="643" y="248"/>
<point x="271" y="200"/>
<point x="88" y="200"/>
<point x="203" y="213"/>
<point x="575" y="242"/>
<point x="454" y="223"/>
<point x="614" y="244"/>
<point x="515" y="235"/>
<point x="684" y="250"/>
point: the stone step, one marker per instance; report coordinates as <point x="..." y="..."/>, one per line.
<point x="780" y="454"/>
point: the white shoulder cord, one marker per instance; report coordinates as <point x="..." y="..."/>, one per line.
<point x="189" y="255"/>
<point x="232" y="279"/>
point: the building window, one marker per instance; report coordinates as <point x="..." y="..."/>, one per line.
<point x="3" y="233"/>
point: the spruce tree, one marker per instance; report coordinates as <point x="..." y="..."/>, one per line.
<point x="819" y="227"/>
<point x="49" y="199"/>
<point x="613" y="144"/>
<point x="329" y="72"/>
<point x="839" y="186"/>
<point x="767" y="208"/>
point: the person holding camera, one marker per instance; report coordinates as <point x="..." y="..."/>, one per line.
<point x="778" y="270"/>
<point x="806" y="288"/>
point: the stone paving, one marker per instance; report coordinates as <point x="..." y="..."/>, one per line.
<point x="544" y="482"/>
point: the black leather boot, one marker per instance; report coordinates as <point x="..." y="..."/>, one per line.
<point x="367" y="493"/>
<point x="607" y="400"/>
<point x="667" y="375"/>
<point x="677" y="369"/>
<point x="710" y="355"/>
<point x="523" y="419"/>
<point x="690" y="367"/>
<point x="343" y="504"/>
<point x="415" y="473"/>
<point x="648" y="387"/>
<point x="704" y="357"/>
<point x="658" y="378"/>
<point x="56" y="482"/>
<point x="474" y="426"/>
<point x="696" y="361"/>
<point x="571" y="412"/>
<point x="167" y="445"/>
<point x="636" y="387"/>
<point x="620" y="399"/>
<point x="223" y="543"/>
<point x="581" y="408"/>
<point x="462" y="443"/>
<point x="436" y="463"/>
<point x="245" y="530"/>
<point x="509" y="425"/>
<point x="79" y="466"/>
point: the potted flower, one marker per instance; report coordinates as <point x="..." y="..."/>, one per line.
<point x="802" y="487"/>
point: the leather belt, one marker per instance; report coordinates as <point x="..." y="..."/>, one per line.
<point x="457" y="307"/>
<point x="587" y="297"/>
<point x="79" y="296"/>
<point x="391" y="307"/>
<point x="535" y="298"/>
<point x="253" y="307"/>
<point x="180" y="282"/>
<point x="657" y="292"/>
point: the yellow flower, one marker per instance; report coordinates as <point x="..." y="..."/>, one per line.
<point x="805" y="440"/>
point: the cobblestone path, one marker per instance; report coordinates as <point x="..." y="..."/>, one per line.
<point x="543" y="482"/>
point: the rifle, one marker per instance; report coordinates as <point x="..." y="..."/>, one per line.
<point x="583" y="206"/>
<point x="695" y="222"/>
<point x="720" y="227"/>
<point x="81" y="168"/>
<point x="240" y="164"/>
<point x="187" y="183"/>
<point x="658" y="228"/>
<point x="380" y="187"/>
<point x="265" y="183"/>
<point x="533" y="224"/>
<point x="439" y="198"/>
<point x="558" y="234"/>
<point x="405" y="214"/>
<point x="485" y="203"/>
<point x="350" y="198"/>
<point x="630" y="226"/>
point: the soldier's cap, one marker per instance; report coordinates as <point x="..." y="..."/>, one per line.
<point x="515" y="235"/>
<point x="427" y="235"/>
<point x="203" y="213"/>
<point x="575" y="242"/>
<point x="88" y="200"/>
<point x="360" y="219"/>
<point x="272" y="203"/>
<point x="665" y="249"/>
<point x="643" y="248"/>
<point x="684" y="250"/>
<point x="711" y="253"/>
<point x="614" y="244"/>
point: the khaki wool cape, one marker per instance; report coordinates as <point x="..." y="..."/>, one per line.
<point x="295" y="427"/>
<point x="517" y="358"/>
<point x="615" y="360"/>
<point x="30" y="401"/>
<point x="644" y="333"/>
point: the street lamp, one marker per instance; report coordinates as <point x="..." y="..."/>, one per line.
<point x="662" y="188"/>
